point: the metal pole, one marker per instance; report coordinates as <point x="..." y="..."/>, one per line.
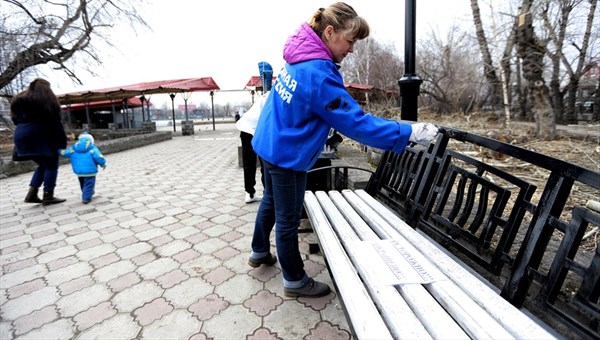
<point x="69" y="115"/>
<point x="148" y="108"/>
<point x="124" y="114"/>
<point x="212" y="103"/>
<point x="172" y="95"/>
<point x="143" y="113"/>
<point x="114" y="114"/>
<point x="186" y="109"/>
<point x="87" y="115"/>
<point x="410" y="82"/>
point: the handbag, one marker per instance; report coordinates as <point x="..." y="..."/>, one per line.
<point x="17" y="158"/>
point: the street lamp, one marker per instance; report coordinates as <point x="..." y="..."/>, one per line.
<point x="148" y="108"/>
<point x="172" y="95"/>
<point x="212" y="103"/>
<point x="410" y="82"/>
<point x="142" y="98"/>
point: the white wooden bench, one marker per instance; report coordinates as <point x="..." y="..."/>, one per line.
<point x="357" y="232"/>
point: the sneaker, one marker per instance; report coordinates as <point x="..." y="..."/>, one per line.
<point x="85" y="201"/>
<point x="268" y="260"/>
<point x="253" y="198"/>
<point x="311" y="289"/>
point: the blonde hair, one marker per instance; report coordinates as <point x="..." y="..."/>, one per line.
<point x="342" y="17"/>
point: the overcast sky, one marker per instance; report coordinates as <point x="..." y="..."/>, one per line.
<point x="225" y="39"/>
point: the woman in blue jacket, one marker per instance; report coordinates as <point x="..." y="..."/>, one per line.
<point x="306" y="101"/>
<point x="39" y="133"/>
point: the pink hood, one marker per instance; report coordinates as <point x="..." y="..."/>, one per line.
<point x="305" y="45"/>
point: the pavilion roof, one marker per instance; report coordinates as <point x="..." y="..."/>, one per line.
<point x="145" y="88"/>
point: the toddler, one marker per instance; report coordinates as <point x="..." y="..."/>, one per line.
<point x="85" y="158"/>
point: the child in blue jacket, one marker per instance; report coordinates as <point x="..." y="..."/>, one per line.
<point x="85" y="158"/>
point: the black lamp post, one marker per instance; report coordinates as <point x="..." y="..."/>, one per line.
<point x="142" y="98"/>
<point x="148" y="108"/>
<point x="114" y="112"/>
<point x="69" y="115"/>
<point x="172" y="95"/>
<point x="252" y="94"/>
<point x="186" y="109"/>
<point x="212" y="103"/>
<point x="124" y="114"/>
<point x="410" y="82"/>
<point x="88" y="120"/>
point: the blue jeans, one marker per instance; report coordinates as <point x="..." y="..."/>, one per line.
<point x="282" y="203"/>
<point x="87" y="185"/>
<point x="45" y="173"/>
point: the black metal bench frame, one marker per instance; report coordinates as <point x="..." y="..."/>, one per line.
<point x="498" y="224"/>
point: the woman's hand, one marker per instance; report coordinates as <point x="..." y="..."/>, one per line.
<point x="423" y="132"/>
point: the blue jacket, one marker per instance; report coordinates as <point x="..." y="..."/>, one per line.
<point x="307" y="100"/>
<point x="85" y="157"/>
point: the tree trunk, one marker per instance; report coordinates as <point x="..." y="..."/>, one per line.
<point x="571" y="99"/>
<point x="545" y="120"/>
<point x="522" y="112"/>
<point x="596" y="107"/>
<point x="488" y="65"/>
<point x="532" y="51"/>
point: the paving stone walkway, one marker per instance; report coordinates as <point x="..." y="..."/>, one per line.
<point x="160" y="253"/>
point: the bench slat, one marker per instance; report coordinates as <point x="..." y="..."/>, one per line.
<point x="365" y="319"/>
<point x="428" y="311"/>
<point x="399" y="317"/>
<point x="474" y="319"/>
<point x="512" y="319"/>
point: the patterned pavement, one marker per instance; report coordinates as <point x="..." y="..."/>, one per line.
<point x="160" y="253"/>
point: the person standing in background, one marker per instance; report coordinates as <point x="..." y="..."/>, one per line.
<point x="247" y="125"/>
<point x="39" y="133"/>
<point x="308" y="99"/>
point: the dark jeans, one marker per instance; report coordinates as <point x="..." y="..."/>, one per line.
<point x="87" y="185"/>
<point x="45" y="173"/>
<point x="282" y="203"/>
<point x="249" y="160"/>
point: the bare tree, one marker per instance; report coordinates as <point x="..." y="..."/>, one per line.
<point x="555" y="46"/>
<point x="373" y="63"/>
<point x="34" y="32"/>
<point x="451" y="71"/>
<point x="502" y="33"/>
<point x="568" y="25"/>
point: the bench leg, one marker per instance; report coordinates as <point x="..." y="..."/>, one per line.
<point x="313" y="248"/>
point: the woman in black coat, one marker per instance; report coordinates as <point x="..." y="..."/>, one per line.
<point x="39" y="133"/>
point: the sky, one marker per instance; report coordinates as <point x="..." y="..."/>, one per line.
<point x="225" y="40"/>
